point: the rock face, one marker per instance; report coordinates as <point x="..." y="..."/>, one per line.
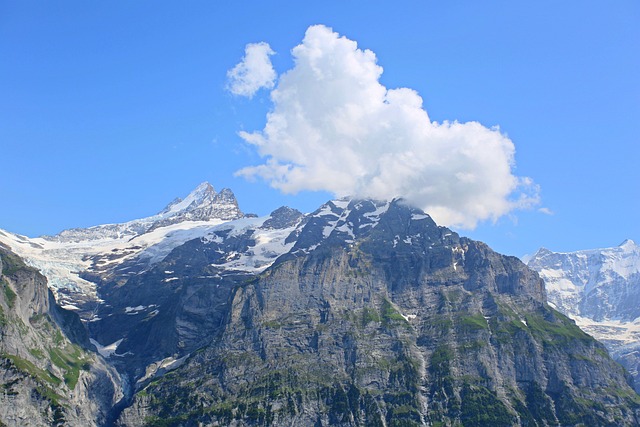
<point x="48" y="376"/>
<point x="178" y="306"/>
<point x="377" y="316"/>
<point x="600" y="289"/>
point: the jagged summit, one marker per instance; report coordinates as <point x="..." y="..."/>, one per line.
<point x="130" y="246"/>
<point x="202" y="204"/>
<point x="628" y="243"/>
<point x="203" y="193"/>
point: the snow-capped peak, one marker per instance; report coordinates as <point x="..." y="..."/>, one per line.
<point x="593" y="283"/>
<point x="203" y="194"/>
<point x="100" y="248"/>
<point x="628" y="244"/>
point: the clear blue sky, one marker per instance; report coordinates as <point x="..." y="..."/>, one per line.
<point x="109" y="110"/>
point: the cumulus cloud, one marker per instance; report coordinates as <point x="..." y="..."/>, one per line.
<point x="254" y="72"/>
<point x="333" y="126"/>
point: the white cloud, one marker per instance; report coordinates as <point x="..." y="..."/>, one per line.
<point x="335" y="127"/>
<point x="254" y="72"/>
<point x="546" y="211"/>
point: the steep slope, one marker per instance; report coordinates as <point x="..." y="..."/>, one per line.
<point x="156" y="318"/>
<point x="377" y="316"/>
<point x="117" y="251"/>
<point x="600" y="289"/>
<point x="47" y="375"/>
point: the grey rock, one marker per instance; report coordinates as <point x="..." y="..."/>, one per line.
<point x="48" y="374"/>
<point x="397" y="322"/>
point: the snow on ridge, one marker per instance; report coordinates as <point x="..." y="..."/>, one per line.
<point x="269" y="244"/>
<point x="418" y="217"/>
<point x="63" y="261"/>
<point x="341" y="203"/>
<point x="194" y="196"/>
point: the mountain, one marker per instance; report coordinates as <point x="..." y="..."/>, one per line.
<point x="49" y="375"/>
<point x="361" y="313"/>
<point x="377" y="316"/>
<point x="600" y="289"/>
<point x="160" y="316"/>
<point x="119" y="250"/>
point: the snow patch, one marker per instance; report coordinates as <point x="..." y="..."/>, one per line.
<point x="106" y="350"/>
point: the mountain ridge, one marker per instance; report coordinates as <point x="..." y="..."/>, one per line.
<point x="600" y="289"/>
<point x="362" y="312"/>
<point x="377" y="316"/>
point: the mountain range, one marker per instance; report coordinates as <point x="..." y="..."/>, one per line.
<point x="361" y="313"/>
<point x="600" y="290"/>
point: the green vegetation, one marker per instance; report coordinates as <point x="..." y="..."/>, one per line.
<point x="442" y="383"/>
<point x="9" y="295"/>
<point x="440" y="323"/>
<point x="57" y="409"/>
<point x="506" y="325"/>
<point x="555" y="328"/>
<point x="37" y="318"/>
<point x="31" y="369"/>
<point x="471" y="346"/>
<point x="7" y="388"/>
<point x="37" y="353"/>
<point x="165" y="422"/>
<point x="58" y="338"/>
<point x="627" y="394"/>
<point x="11" y="263"/>
<point x="369" y="315"/>
<point x="481" y="407"/>
<point x="538" y="405"/>
<point x="390" y="314"/>
<point x="452" y="295"/>
<point x="473" y="323"/>
<point x="572" y="410"/>
<point x="71" y="360"/>
<point x="272" y="324"/>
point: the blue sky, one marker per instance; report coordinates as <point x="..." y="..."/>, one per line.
<point x="108" y="111"/>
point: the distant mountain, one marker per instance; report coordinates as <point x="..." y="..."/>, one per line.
<point x="600" y="289"/>
<point x="362" y="313"/>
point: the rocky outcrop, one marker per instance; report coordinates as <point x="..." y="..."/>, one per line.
<point x="48" y="375"/>
<point x="377" y="316"/>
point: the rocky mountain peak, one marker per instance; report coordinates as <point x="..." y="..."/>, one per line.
<point x="204" y="194"/>
<point x="372" y="315"/>
<point x="282" y="217"/>
<point x="628" y="244"/>
<point x="226" y="195"/>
